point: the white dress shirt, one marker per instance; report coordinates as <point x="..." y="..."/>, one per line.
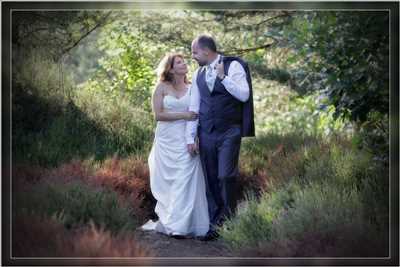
<point x="235" y="83"/>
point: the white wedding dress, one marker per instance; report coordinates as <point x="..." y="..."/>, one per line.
<point x="176" y="178"/>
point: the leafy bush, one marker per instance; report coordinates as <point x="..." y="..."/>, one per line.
<point x="125" y="70"/>
<point x="281" y="111"/>
<point x="349" y="51"/>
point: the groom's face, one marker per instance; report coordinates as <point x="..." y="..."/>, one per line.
<point x="199" y="54"/>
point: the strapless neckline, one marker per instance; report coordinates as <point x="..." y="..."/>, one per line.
<point x="187" y="90"/>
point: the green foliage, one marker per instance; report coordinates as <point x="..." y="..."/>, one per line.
<point x="255" y="152"/>
<point x="36" y="95"/>
<point x="98" y="127"/>
<point x="129" y="128"/>
<point x="29" y="74"/>
<point x="75" y="204"/>
<point x="56" y="32"/>
<point x="125" y="70"/>
<point x="251" y="225"/>
<point x="281" y="111"/>
<point x="346" y="168"/>
<point x="373" y="135"/>
<point x="375" y="195"/>
<point x="319" y="208"/>
<point x="329" y="195"/>
<point x="51" y="125"/>
<point x="254" y="222"/>
<point x="349" y="54"/>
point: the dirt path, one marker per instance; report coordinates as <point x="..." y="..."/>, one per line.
<point x="164" y="246"/>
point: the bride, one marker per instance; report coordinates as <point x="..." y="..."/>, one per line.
<point x="176" y="177"/>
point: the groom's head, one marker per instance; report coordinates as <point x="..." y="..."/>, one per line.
<point x="204" y="49"/>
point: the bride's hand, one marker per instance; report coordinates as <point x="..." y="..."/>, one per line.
<point x="191" y="116"/>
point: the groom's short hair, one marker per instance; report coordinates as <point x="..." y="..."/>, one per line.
<point x="206" y="41"/>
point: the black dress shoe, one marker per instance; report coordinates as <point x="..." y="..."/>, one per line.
<point x="211" y="235"/>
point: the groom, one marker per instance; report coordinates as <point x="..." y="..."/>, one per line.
<point x="222" y="95"/>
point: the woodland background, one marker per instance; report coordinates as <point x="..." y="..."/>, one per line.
<point x="313" y="182"/>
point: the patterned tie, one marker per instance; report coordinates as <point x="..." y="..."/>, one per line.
<point x="210" y="79"/>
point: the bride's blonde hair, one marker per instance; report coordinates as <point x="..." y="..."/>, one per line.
<point x="164" y="68"/>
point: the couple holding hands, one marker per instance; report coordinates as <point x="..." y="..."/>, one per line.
<point x="193" y="162"/>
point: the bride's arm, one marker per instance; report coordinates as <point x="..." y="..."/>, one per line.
<point x="161" y="115"/>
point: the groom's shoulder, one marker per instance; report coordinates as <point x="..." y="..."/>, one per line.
<point x="230" y="59"/>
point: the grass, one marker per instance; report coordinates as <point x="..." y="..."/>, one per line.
<point x="317" y="199"/>
<point x="114" y="192"/>
<point x="43" y="236"/>
<point x="81" y="208"/>
<point x="75" y="133"/>
<point x="75" y="204"/>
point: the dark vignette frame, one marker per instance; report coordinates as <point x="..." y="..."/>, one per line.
<point x="394" y="134"/>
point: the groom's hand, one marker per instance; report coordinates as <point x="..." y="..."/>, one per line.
<point x="219" y="67"/>
<point x="192" y="149"/>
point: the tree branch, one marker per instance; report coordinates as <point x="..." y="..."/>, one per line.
<point x="284" y="14"/>
<point x="257" y="25"/>
<point x="241" y="51"/>
<point x="100" y="23"/>
<point x="28" y="33"/>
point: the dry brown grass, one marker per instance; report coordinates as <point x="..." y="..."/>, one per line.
<point x="35" y="236"/>
<point x="278" y="166"/>
<point x="129" y="178"/>
<point x="68" y="172"/>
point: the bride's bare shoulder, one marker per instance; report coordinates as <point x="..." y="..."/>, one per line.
<point x="163" y="87"/>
